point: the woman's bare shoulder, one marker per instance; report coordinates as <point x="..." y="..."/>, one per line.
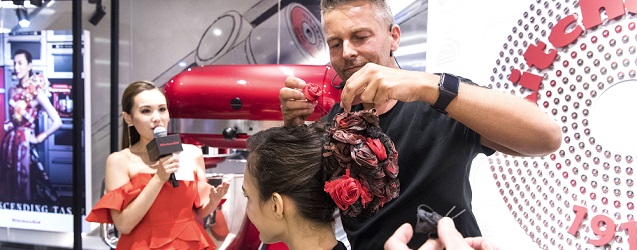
<point x="119" y="160"/>
<point x="118" y="168"/>
<point x="121" y="155"/>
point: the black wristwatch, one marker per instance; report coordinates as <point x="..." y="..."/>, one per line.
<point x="447" y="91"/>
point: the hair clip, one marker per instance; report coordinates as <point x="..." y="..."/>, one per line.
<point x="427" y="220"/>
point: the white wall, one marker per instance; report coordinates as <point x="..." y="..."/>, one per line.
<point x="586" y="91"/>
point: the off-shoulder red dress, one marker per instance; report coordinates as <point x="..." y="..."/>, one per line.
<point x="169" y="223"/>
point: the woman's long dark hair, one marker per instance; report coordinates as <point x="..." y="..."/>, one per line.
<point x="290" y="161"/>
<point x="350" y="164"/>
<point x="127" y="106"/>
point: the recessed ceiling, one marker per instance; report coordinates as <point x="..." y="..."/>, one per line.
<point x="8" y="18"/>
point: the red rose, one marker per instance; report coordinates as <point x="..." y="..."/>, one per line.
<point x="377" y="147"/>
<point x="373" y="206"/>
<point x="391" y="168"/>
<point x="342" y="154"/>
<point x="354" y="210"/>
<point x="377" y="187"/>
<point x="359" y="144"/>
<point x="312" y="92"/>
<point x="370" y="117"/>
<point x="392" y="190"/>
<point x="350" y="122"/>
<point x="366" y="195"/>
<point x="344" y="191"/>
<point x="364" y="156"/>
<point x="345" y="137"/>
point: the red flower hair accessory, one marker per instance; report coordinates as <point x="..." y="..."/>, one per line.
<point x="312" y="92"/>
<point x="377" y="147"/>
<point x="367" y="173"/>
<point x="344" y="191"/>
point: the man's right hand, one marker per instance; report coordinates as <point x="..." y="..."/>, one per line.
<point x="294" y="106"/>
<point x="449" y="238"/>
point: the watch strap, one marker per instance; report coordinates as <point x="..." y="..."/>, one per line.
<point x="447" y="91"/>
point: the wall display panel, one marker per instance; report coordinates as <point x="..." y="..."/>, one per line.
<point x="269" y="32"/>
<point x="576" y="61"/>
<point x="36" y="153"/>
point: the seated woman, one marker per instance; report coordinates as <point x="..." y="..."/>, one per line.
<point x="146" y="209"/>
<point x="295" y="178"/>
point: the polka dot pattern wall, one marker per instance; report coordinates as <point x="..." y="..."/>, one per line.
<point x="561" y="57"/>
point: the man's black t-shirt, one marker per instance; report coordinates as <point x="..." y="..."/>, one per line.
<point x="434" y="159"/>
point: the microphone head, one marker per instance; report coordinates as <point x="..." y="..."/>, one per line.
<point x="160" y="132"/>
<point x="340" y="86"/>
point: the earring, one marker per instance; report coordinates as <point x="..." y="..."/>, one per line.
<point x="129" y="133"/>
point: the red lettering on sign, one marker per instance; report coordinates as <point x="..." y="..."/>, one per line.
<point x="535" y="56"/>
<point x="559" y="37"/>
<point x="631" y="229"/>
<point x="168" y="143"/>
<point x="592" y="10"/>
<point x="603" y="227"/>
<point x="631" y="6"/>
<point x="528" y="80"/>
<point x="580" y="215"/>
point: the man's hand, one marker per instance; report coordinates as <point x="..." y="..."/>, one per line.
<point x="294" y="106"/>
<point x="449" y="238"/>
<point x="400" y="238"/>
<point x="375" y="84"/>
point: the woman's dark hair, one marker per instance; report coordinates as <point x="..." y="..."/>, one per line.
<point x="27" y="55"/>
<point x="351" y="164"/>
<point x="127" y="106"/>
<point x="290" y="161"/>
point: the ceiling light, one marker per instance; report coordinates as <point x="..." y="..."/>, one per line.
<point x="98" y="14"/>
<point x="9" y="4"/>
<point x="23" y="16"/>
<point x="36" y="2"/>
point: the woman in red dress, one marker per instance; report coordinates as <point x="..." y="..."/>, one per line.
<point x="146" y="209"/>
<point x="18" y="157"/>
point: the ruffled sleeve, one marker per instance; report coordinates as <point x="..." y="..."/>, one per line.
<point x="117" y="199"/>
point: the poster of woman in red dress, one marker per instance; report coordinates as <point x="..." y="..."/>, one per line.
<point x="23" y="176"/>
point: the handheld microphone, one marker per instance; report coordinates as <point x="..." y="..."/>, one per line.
<point x="164" y="145"/>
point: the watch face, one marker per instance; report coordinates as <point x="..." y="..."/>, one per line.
<point x="450" y="82"/>
<point x="448" y="90"/>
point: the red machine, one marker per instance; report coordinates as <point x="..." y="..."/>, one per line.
<point x="220" y="106"/>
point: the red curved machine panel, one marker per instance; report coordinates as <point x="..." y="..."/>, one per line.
<point x="222" y="105"/>
<point x="248" y="92"/>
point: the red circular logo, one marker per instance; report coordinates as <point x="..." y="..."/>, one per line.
<point x="563" y="56"/>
